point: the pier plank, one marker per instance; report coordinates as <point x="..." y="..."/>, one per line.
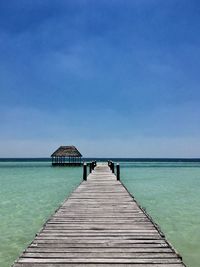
<point x="96" y="265"/>
<point x="100" y="224"/>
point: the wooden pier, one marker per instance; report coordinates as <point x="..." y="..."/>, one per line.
<point x="100" y="224"/>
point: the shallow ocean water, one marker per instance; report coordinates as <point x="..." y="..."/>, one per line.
<point x="170" y="192"/>
<point x="31" y="191"/>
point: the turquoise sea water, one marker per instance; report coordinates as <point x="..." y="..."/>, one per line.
<point x="31" y="191"/>
<point x="170" y="192"/>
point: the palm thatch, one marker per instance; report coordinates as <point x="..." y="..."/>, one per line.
<point x="66" y="151"/>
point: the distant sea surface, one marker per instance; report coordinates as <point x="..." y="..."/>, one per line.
<point x="31" y="190"/>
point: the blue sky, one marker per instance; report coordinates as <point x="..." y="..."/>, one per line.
<point x="115" y="78"/>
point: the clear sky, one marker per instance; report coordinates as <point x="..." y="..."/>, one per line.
<point x="114" y="78"/>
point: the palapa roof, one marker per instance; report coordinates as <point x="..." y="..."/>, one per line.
<point x="66" y="151"/>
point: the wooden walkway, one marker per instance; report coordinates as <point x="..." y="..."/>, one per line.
<point x="100" y="224"/>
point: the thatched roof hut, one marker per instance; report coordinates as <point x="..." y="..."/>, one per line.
<point x="66" y="156"/>
<point x="66" y="151"/>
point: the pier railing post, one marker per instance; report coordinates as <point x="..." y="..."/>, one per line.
<point x="109" y="162"/>
<point x="113" y="167"/>
<point x="90" y="167"/>
<point x="118" y="172"/>
<point x="85" y="171"/>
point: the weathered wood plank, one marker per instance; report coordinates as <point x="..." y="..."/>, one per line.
<point x="99" y="242"/>
<point x="98" y="260"/>
<point x="96" y="265"/>
<point x="101" y="249"/>
<point x="97" y="231"/>
<point x="95" y="227"/>
<point x="99" y="245"/>
<point x="103" y="237"/>
<point x="113" y="255"/>
<point x="97" y="221"/>
<point x="100" y="224"/>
